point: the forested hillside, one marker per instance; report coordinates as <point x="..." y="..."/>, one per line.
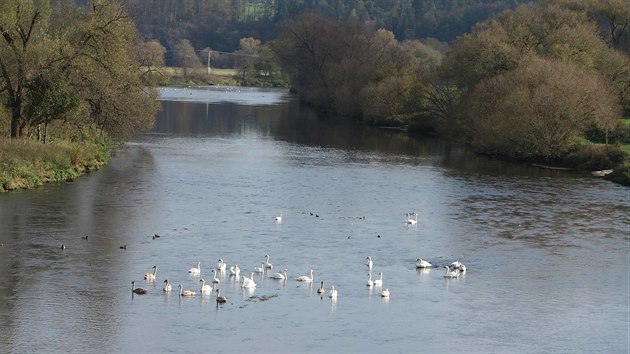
<point x="220" y="24"/>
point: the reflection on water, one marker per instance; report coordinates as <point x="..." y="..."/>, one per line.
<point x="543" y="248"/>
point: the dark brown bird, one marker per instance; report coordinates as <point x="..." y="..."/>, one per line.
<point x="139" y="291"/>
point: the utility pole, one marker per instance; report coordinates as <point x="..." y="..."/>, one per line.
<point x="209" y="69"/>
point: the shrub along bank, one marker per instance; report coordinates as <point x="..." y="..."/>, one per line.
<point x="28" y="163"/>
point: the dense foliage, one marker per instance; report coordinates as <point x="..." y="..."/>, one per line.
<point x="535" y="80"/>
<point x="75" y="66"/>
<point x="220" y="24"/>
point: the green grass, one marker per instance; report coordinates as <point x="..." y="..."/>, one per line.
<point x="27" y="163"/>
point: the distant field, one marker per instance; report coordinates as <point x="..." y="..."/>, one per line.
<point x="172" y="70"/>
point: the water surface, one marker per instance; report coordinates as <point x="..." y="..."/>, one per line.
<point x="546" y="251"/>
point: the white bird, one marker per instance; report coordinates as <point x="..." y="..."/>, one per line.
<point x="279" y="218"/>
<point x="222" y="266"/>
<point x="379" y="282"/>
<point x="411" y="221"/>
<point x="220" y="298"/>
<point x="369" y="263"/>
<point x="450" y="273"/>
<point x="333" y="293"/>
<point x="370" y="283"/>
<point x="185" y="292"/>
<point x="462" y="268"/>
<point x="235" y="270"/>
<point x="151" y="276"/>
<point x="280" y="276"/>
<point x="421" y="263"/>
<point x="456" y="264"/>
<point x="306" y="278"/>
<point x="215" y="280"/>
<point x="267" y="264"/>
<point x="260" y="269"/>
<point x="167" y="286"/>
<point x="385" y="293"/>
<point x="195" y="270"/>
<point x="205" y="288"/>
<point x="249" y="283"/>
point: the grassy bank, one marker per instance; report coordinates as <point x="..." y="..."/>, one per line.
<point x="174" y="76"/>
<point x="27" y="163"/>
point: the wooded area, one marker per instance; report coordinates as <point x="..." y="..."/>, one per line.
<point x="75" y="66"/>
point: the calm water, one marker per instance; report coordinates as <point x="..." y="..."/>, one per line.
<point x="547" y="252"/>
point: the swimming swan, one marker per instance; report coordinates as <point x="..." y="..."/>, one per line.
<point x="205" y="288"/>
<point x="185" y="292"/>
<point x="267" y="264"/>
<point x="167" y="286"/>
<point x="151" y="276"/>
<point x="369" y="263"/>
<point x="379" y="282"/>
<point x="215" y="280"/>
<point x="195" y="270"/>
<point x="385" y="293"/>
<point x="280" y="276"/>
<point x="333" y="293"/>
<point x="321" y="289"/>
<point x="220" y="298"/>
<point x="222" y="266"/>
<point x="235" y="270"/>
<point x="260" y="269"/>
<point x="305" y="278"/>
<point x="279" y="218"/>
<point x="249" y="283"/>
<point x="411" y="221"/>
<point x="370" y="283"/>
<point x="139" y="291"/>
<point x="451" y="273"/>
<point x="421" y="263"/>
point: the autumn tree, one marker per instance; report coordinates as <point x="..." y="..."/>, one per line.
<point x="78" y="65"/>
<point x="186" y="56"/>
<point x="248" y="56"/>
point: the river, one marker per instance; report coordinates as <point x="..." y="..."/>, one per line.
<point x="547" y="252"/>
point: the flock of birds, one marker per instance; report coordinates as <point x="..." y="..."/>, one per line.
<point x="454" y="270"/>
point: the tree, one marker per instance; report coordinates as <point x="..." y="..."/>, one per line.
<point x="186" y="56"/>
<point x="81" y="68"/>
<point x="248" y="55"/>
<point x="538" y="110"/>
<point x="151" y="54"/>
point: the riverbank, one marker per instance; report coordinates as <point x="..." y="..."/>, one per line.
<point x="27" y="163"/>
<point x="177" y="77"/>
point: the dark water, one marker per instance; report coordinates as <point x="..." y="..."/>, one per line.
<point x="547" y="252"/>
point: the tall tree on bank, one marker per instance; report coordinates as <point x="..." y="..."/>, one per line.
<point x="73" y="64"/>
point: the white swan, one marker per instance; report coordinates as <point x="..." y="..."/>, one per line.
<point x="151" y="276"/>
<point x="369" y="262"/>
<point x="195" y="270"/>
<point x="205" y="288"/>
<point x="249" y="283"/>
<point x="260" y="269"/>
<point x="185" y="292"/>
<point x="379" y="282"/>
<point x="215" y="279"/>
<point x="411" y="221"/>
<point x="306" y="278"/>
<point x="220" y="298"/>
<point x="333" y="293"/>
<point x="267" y="264"/>
<point x="167" y="286"/>
<point x="370" y="283"/>
<point x="279" y="218"/>
<point x="221" y="267"/>
<point x="280" y="276"/>
<point x="385" y="293"/>
<point x="321" y="289"/>
<point x="459" y="266"/>
<point x="451" y="273"/>
<point x="235" y="270"/>
<point x="139" y="291"/>
<point x="421" y="263"/>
